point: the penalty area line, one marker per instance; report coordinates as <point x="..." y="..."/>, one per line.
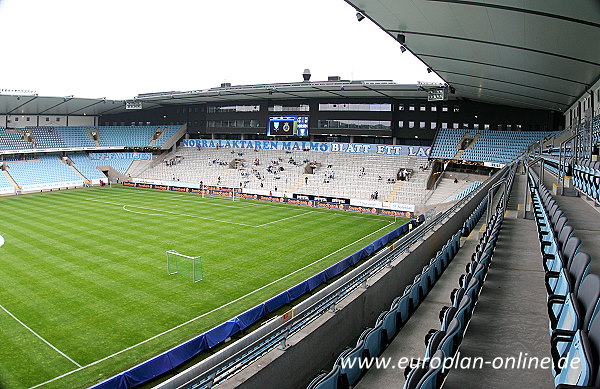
<point x="285" y="218"/>
<point x="206" y="313"/>
<point x="40" y="337"/>
<point x="169" y="212"/>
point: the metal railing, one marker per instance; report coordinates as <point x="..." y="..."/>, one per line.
<point x="326" y="301"/>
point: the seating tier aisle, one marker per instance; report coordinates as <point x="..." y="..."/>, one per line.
<point x="409" y="343"/>
<point x="511" y="315"/>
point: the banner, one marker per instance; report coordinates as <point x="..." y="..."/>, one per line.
<point x="340" y="204"/>
<point x="350" y="148"/>
<point x="322" y="199"/>
<point x="134" y="156"/>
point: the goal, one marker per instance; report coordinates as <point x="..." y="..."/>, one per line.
<point x="184" y="264"/>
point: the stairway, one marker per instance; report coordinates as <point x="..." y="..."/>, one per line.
<point x="298" y="183"/>
<point x="223" y="175"/>
<point x="395" y="191"/>
<point x="96" y="141"/>
<point x="160" y="134"/>
<point x="84" y="178"/>
<point x="11" y="180"/>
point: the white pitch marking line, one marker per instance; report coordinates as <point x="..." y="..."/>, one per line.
<point x="274" y="205"/>
<point x="206" y="313"/>
<point x="188" y="200"/>
<point x="142" y="213"/>
<point x="175" y="213"/>
<point x="40" y="337"/>
<point x="285" y="218"/>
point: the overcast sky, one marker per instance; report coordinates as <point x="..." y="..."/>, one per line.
<point x="120" y="48"/>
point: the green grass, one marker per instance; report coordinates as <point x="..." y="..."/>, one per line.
<point x="86" y="270"/>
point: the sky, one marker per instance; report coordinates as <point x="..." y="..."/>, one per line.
<point x="120" y="48"/>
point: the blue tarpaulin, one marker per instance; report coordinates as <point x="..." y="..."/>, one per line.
<point x="277" y="302"/>
<point x="168" y="360"/>
<point x="188" y="350"/>
<point x="221" y="332"/>
<point x="148" y="370"/>
<point x="251" y="316"/>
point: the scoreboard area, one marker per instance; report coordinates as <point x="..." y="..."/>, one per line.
<point x="295" y="126"/>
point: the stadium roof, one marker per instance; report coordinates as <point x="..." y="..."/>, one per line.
<point x="38" y="105"/>
<point x="530" y="53"/>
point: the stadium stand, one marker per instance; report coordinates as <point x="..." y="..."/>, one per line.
<point x="89" y="167"/>
<point x="45" y="138"/>
<point x="12" y="140"/>
<point x="75" y="136"/>
<point x="5" y="184"/>
<point x="115" y="136"/>
<point x="483" y="145"/>
<point x="46" y="171"/>
<point x="306" y="172"/>
<point x="61" y="137"/>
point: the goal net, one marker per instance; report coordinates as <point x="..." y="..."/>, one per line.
<point x="184" y="264"/>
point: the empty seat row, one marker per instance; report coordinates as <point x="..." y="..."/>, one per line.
<point x="346" y="371"/>
<point x="586" y="178"/>
<point x="490" y="145"/>
<point x="573" y="294"/>
<point x="61" y="137"/>
<point x="454" y="319"/>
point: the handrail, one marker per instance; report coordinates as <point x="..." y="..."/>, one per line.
<point x="327" y="300"/>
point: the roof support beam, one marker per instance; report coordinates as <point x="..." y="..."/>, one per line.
<point x="464" y="39"/>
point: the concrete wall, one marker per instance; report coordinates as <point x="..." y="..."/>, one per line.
<point x="318" y="345"/>
<point x="22" y="121"/>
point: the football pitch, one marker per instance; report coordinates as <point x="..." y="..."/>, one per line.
<point x="84" y="288"/>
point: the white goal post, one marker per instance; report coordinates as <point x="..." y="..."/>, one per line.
<point x="184" y="264"/>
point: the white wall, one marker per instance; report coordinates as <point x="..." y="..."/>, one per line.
<point x="82" y="120"/>
<point x="586" y="102"/>
<point x="20" y="121"/>
<point x="52" y="120"/>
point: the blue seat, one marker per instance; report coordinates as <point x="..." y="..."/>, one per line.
<point x="427" y="377"/>
<point x="568" y="279"/>
<point x="585" y="346"/>
<point x="415" y="293"/>
<point x="373" y="339"/>
<point x="404" y="308"/>
<point x="578" y="310"/>
<point x="447" y="341"/>
<point x="329" y="380"/>
<point x="390" y="323"/>
<point x="562" y="258"/>
<point x="350" y="370"/>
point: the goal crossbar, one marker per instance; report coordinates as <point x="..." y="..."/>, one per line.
<point x="184" y="264"/>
